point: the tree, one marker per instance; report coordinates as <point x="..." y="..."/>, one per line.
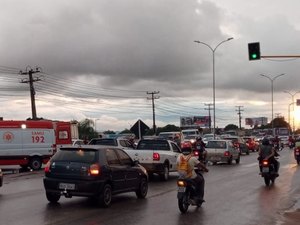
<point x="167" y="128"/>
<point x="86" y="130"/>
<point x="231" y="127"/>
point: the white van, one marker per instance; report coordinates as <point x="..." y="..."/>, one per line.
<point x="190" y="132"/>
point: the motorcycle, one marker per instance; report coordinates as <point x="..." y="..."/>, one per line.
<point x="187" y="194"/>
<point x="297" y="154"/>
<point x="268" y="171"/>
<point x="201" y="153"/>
<point x="291" y="144"/>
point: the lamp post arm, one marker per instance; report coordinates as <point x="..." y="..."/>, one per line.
<point x="200" y="42"/>
<point x="278" y="76"/>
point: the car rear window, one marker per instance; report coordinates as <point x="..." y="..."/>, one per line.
<point x="76" y="155"/>
<point x="153" y="145"/>
<point x="216" y="144"/>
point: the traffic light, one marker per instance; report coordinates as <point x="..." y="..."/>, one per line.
<point x="254" y="51"/>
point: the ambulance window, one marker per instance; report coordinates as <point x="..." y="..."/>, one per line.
<point x="63" y="134"/>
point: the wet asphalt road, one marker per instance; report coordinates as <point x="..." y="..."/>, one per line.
<point x="235" y="195"/>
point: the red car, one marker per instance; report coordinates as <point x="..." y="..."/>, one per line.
<point x="251" y="143"/>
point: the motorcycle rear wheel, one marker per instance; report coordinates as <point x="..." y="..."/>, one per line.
<point x="183" y="205"/>
<point x="267" y="181"/>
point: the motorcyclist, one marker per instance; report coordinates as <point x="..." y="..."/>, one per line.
<point x="291" y="142"/>
<point x="267" y="152"/>
<point x="276" y="142"/>
<point x="200" y="146"/>
<point x="187" y="157"/>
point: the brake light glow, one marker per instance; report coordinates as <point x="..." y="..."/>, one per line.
<point x="181" y="183"/>
<point x="265" y="162"/>
<point x="94" y="169"/>
<point x="196" y="153"/>
<point x="156" y="156"/>
<point x="47" y="167"/>
<point x="226" y="153"/>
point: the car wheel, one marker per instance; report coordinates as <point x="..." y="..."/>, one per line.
<point x="52" y="197"/>
<point x="229" y="161"/>
<point x="165" y="175"/>
<point x="247" y="153"/>
<point x="237" y="161"/>
<point x="143" y="189"/>
<point x="35" y="163"/>
<point x="106" y="196"/>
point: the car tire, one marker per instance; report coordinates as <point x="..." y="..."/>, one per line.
<point x="106" y="196"/>
<point x="165" y="175"/>
<point x="143" y="189"/>
<point x="52" y="197"/>
<point x="229" y="161"/>
<point x="35" y="163"/>
<point x="237" y="161"/>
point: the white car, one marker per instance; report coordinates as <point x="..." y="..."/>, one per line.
<point x="76" y="142"/>
<point x="222" y="151"/>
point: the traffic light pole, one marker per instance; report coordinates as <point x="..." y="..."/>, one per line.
<point x="280" y="56"/>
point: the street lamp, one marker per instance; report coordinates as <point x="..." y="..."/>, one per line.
<point x="293" y="102"/>
<point x="272" y="90"/>
<point x="96" y="124"/>
<point x="214" y="89"/>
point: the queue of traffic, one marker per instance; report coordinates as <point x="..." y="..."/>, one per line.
<point x="108" y="166"/>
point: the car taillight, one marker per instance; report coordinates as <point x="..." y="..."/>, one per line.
<point x="156" y="156"/>
<point x="196" y="153"/>
<point x="226" y="153"/>
<point x="297" y="150"/>
<point x="47" y="167"/>
<point x="94" y="169"/>
<point x="265" y="162"/>
<point x="181" y="183"/>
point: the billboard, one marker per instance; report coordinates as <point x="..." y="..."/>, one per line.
<point x="256" y="121"/>
<point x="195" y="121"/>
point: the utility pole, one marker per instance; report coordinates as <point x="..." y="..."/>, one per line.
<point x="239" y="110"/>
<point x="153" y="108"/>
<point x="209" y="108"/>
<point x="30" y="80"/>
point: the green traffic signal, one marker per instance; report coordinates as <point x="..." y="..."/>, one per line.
<point x="253" y="56"/>
<point x="254" y="51"/>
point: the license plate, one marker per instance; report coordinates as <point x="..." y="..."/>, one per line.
<point x="215" y="158"/>
<point x="181" y="189"/>
<point x="265" y="169"/>
<point x="66" y="186"/>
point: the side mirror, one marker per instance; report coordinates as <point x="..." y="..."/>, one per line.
<point x="135" y="162"/>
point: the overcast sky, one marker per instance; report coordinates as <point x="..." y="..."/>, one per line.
<point x="99" y="58"/>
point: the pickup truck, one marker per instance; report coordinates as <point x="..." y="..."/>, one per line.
<point x="156" y="156"/>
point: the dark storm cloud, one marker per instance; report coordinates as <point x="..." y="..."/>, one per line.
<point x="122" y="40"/>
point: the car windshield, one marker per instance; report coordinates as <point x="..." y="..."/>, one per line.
<point x="110" y="142"/>
<point x="75" y="155"/>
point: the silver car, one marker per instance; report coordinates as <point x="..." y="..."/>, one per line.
<point x="222" y="151"/>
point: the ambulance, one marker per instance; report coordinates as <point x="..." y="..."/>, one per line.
<point x="32" y="143"/>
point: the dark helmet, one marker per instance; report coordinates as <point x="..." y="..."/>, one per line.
<point x="186" y="150"/>
<point x="265" y="141"/>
